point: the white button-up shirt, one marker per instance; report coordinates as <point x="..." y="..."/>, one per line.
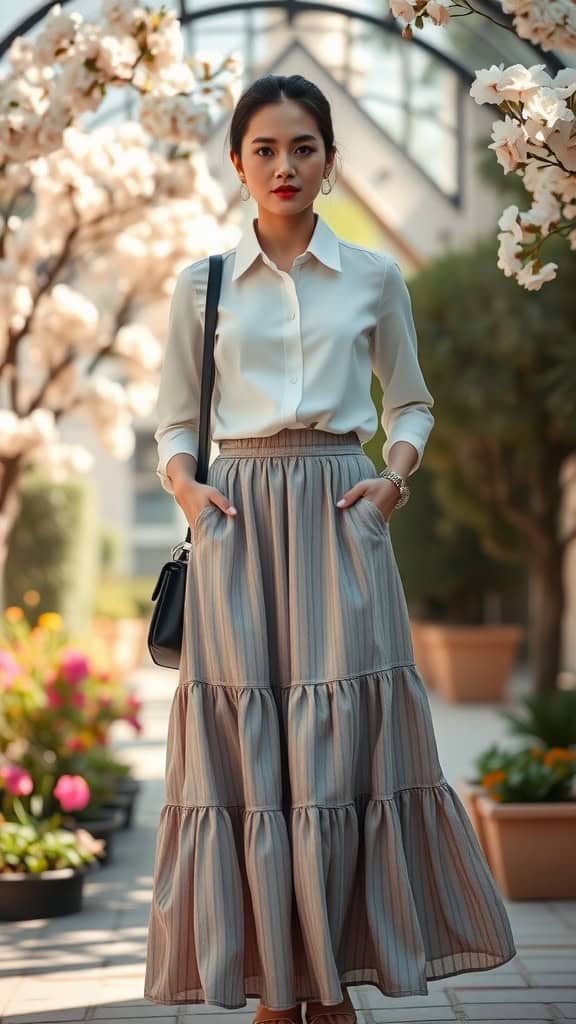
<point x="294" y="348"/>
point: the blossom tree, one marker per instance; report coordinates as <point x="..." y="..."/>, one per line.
<point x="536" y="135"/>
<point x="95" y="225"/>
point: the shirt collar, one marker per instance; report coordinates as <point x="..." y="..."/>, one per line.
<point x="324" y="245"/>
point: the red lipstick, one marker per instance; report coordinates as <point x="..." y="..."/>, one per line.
<point x="285" y="191"/>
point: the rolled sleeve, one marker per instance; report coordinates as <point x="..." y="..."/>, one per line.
<point x="178" y="402"/>
<point x="406" y="401"/>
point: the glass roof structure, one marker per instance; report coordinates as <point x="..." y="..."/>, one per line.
<point x="412" y="91"/>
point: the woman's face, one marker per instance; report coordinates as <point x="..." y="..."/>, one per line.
<point x="282" y="145"/>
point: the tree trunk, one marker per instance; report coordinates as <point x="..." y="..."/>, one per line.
<point x="546" y="607"/>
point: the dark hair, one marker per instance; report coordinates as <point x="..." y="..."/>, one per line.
<point x="272" y="89"/>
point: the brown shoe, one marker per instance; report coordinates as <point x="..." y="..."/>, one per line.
<point x="266" y="1015"/>
<point x="320" y="1013"/>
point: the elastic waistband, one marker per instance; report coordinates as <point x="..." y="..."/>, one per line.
<point x="291" y="440"/>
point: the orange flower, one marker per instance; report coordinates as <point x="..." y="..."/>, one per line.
<point x="492" y="777"/>
<point x="559" y="754"/>
<point x="13" y="614"/>
<point x="51" y="620"/>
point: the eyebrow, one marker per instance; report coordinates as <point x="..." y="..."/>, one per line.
<point x="297" y="138"/>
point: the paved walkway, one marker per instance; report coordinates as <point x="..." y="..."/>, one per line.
<point x="90" y="966"/>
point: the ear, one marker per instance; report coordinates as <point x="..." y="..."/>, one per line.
<point x="236" y="161"/>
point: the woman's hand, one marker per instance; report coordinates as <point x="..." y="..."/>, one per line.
<point x="383" y="493"/>
<point x="193" y="497"/>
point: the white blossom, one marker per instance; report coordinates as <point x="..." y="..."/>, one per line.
<point x="532" y="279"/>
<point x="509" y="144"/>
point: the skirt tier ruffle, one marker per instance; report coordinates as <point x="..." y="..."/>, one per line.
<point x="310" y="840"/>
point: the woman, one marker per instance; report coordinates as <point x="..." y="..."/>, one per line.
<point x="309" y="840"/>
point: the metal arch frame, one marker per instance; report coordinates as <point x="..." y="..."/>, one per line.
<point x="292" y="8"/>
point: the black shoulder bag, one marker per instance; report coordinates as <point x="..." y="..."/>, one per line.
<point x="166" y="623"/>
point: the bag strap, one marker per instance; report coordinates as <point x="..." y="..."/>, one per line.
<point x="215" y="264"/>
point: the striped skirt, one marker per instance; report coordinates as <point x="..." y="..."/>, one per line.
<point x="308" y="840"/>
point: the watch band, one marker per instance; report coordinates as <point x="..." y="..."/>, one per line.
<point x="396" y="478"/>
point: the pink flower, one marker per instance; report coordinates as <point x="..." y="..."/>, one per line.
<point x="78" y="699"/>
<point x="72" y="792"/>
<point x="54" y="699"/>
<point x="9" y="669"/>
<point x="136" y="725"/>
<point x="17" y="781"/>
<point x="74" y="666"/>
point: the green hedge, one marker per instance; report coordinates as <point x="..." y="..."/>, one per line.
<point x="53" y="549"/>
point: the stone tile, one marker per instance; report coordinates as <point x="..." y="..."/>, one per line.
<point x="368" y="997"/>
<point x="136" y="1020"/>
<point x="520" y="995"/>
<point x="401" y="1015"/>
<point x="551" y="963"/>
<point x="488" y="979"/>
<point x="143" y="1011"/>
<point x="222" y="1016"/>
<point x="205" y="1010"/>
<point x="46" y="1017"/>
<point x="553" y="978"/>
<point x="507" y="1012"/>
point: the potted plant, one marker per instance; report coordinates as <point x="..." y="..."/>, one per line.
<point x="120" y="624"/>
<point x="529" y="824"/>
<point x="42" y="869"/>
<point x="464" y="604"/>
<point x="57" y="710"/>
<point x="549" y="719"/>
<point x="499" y="361"/>
<point x="42" y="865"/>
<point x="514" y="793"/>
<point x="124" y="789"/>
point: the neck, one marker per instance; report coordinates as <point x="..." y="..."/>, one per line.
<point x="284" y="236"/>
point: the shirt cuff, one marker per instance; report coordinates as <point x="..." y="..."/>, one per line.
<point x="413" y="425"/>
<point x="175" y="442"/>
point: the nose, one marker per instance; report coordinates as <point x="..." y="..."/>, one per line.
<point x="285" y="168"/>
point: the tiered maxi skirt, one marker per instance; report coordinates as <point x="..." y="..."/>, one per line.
<point x="309" y="839"/>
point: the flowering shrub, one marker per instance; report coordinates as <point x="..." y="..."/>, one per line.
<point x="534" y="774"/>
<point x="31" y="846"/>
<point x="57" y="707"/>
<point x="54" y="691"/>
<point x="535" y="137"/>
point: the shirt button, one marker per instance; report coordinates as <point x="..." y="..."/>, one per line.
<point x="292" y="316"/>
<point x="293" y="380"/>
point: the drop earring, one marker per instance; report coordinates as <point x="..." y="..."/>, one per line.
<point x="326" y="192"/>
<point x="244" y="191"/>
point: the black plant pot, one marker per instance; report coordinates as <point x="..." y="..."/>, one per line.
<point x="125" y="797"/>
<point x="123" y="802"/>
<point x="25" y="897"/>
<point x="103" y="825"/>
<point x="128" y="785"/>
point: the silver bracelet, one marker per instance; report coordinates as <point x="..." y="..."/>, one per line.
<point x="390" y="474"/>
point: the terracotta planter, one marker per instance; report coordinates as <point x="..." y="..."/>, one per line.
<point x="418" y="630"/>
<point x="25" y="897"/>
<point x="531" y="847"/>
<point x="124" y="641"/>
<point x="468" y="663"/>
<point x="469" y="792"/>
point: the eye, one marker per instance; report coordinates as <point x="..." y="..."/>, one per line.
<point x="260" y="148"/>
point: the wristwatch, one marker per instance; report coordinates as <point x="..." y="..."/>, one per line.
<point x="390" y="474"/>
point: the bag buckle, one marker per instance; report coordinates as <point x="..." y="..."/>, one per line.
<point x="182" y="546"/>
